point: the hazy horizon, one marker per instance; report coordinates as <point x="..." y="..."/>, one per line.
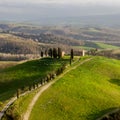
<point x="40" y="10"/>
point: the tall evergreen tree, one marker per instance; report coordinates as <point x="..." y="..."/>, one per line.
<point x="59" y="53"/>
<point x="50" y="52"/>
<point x="42" y="53"/>
<point x="55" y="53"/>
<point x="72" y="54"/>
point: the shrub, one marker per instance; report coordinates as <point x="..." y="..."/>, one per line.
<point x="30" y="87"/>
<point x="1" y="104"/>
<point x="18" y="93"/>
<point x="41" y="82"/>
<point x="37" y="85"/>
<point x="12" y="113"/>
<point x="33" y="85"/>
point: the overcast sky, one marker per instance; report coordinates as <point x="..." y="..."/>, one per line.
<point x="38" y="9"/>
<point x="102" y="2"/>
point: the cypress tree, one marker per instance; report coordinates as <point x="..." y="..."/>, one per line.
<point x="55" y="53"/>
<point x="72" y="54"/>
<point x="41" y="53"/>
<point x="50" y="52"/>
<point x="59" y="53"/>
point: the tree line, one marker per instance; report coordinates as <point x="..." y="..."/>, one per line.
<point x="50" y="76"/>
<point x="52" y="52"/>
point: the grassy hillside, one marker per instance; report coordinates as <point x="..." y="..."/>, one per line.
<point x="106" y="46"/>
<point x="111" y="53"/>
<point x="85" y="93"/>
<point x="26" y="74"/>
<point x="98" y="45"/>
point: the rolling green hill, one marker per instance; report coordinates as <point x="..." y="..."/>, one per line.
<point x="106" y="46"/>
<point x="25" y="74"/>
<point x="85" y="93"/>
<point x="98" y="45"/>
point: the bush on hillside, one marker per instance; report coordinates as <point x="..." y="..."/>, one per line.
<point x="12" y="113"/>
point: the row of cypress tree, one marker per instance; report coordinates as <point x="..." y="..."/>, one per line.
<point x="53" y="53"/>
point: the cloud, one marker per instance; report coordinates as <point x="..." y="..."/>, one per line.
<point x="43" y="9"/>
<point x="83" y="2"/>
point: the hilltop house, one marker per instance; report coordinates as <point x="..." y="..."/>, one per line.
<point x="63" y="53"/>
<point x="79" y="53"/>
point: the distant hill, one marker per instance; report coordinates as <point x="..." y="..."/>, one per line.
<point x="39" y="37"/>
<point x="33" y="44"/>
<point x="52" y="39"/>
<point x="74" y="34"/>
<point x="16" y="45"/>
<point x="98" y="34"/>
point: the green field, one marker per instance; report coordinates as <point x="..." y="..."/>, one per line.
<point x="92" y="45"/>
<point x="25" y="74"/>
<point x="85" y="93"/>
<point x="106" y="46"/>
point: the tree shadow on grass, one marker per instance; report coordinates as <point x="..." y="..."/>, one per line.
<point x="115" y="81"/>
<point x="97" y="115"/>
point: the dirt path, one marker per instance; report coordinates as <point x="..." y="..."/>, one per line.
<point x="43" y="88"/>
